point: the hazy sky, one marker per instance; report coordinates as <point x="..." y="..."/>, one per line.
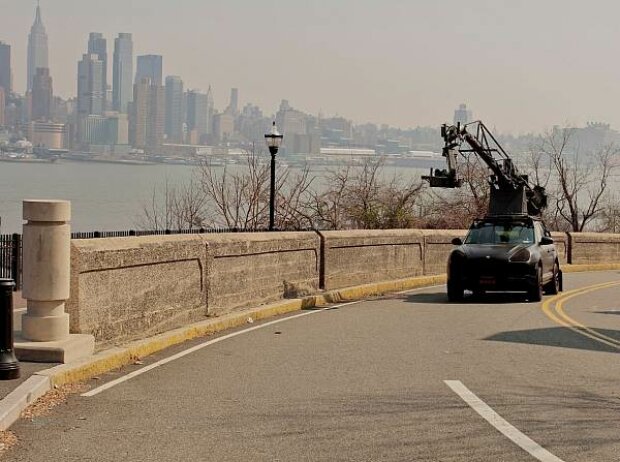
<point x="520" y="65"/>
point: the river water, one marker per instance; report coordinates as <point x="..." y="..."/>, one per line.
<point x="104" y="197"/>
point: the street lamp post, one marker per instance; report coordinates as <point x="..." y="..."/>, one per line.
<point x="274" y="140"/>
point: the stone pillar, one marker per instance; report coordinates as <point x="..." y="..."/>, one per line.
<point x="46" y="280"/>
<point x="47" y="250"/>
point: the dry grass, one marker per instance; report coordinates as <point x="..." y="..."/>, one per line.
<point x="7" y="441"/>
<point x="51" y="399"/>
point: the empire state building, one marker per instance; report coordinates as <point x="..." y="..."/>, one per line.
<point x="37" y="48"/>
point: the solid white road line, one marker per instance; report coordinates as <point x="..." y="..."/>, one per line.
<point x="497" y="421"/>
<point x="131" y="375"/>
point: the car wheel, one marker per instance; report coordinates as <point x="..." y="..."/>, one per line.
<point x="553" y="286"/>
<point x="535" y="294"/>
<point x="455" y="291"/>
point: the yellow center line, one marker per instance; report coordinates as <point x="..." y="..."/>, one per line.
<point x="559" y="317"/>
<point x="559" y="308"/>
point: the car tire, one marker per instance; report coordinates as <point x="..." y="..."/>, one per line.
<point x="553" y="286"/>
<point x="535" y="293"/>
<point x="455" y="291"/>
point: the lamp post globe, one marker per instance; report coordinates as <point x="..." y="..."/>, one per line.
<point x="274" y="141"/>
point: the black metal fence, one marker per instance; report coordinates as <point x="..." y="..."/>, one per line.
<point x="11" y="245"/>
<point x="11" y="258"/>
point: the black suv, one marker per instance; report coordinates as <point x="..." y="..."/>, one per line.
<point x="505" y="253"/>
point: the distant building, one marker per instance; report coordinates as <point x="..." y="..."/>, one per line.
<point x="223" y="127"/>
<point x="150" y="67"/>
<point x="117" y="129"/>
<point x="122" y="73"/>
<point x="210" y="111"/>
<point x="197" y="114"/>
<point x="42" y="95"/>
<point x="147" y="115"/>
<point x="46" y="134"/>
<point x="463" y="115"/>
<point x="37" y="48"/>
<point x="97" y="45"/>
<point x="175" y="116"/>
<point x="6" y="80"/>
<point x="233" y="107"/>
<point x="2" y="107"/>
<point x="90" y="78"/>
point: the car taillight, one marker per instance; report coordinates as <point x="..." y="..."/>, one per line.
<point x="521" y="255"/>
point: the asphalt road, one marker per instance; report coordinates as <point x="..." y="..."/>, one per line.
<point x="365" y="382"/>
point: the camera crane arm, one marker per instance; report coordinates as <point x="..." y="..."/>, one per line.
<point x="511" y="192"/>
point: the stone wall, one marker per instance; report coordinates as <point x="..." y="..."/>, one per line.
<point x="594" y="248"/>
<point x="124" y="288"/>
<point x="438" y="245"/>
<point x="249" y="269"/>
<point x="358" y="257"/>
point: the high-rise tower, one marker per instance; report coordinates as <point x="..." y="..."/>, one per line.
<point x="174" y="109"/>
<point x="97" y="45"/>
<point x="122" y="73"/>
<point x="147" y="116"/>
<point x="5" y="67"/>
<point x="150" y="67"/>
<point x="42" y="95"/>
<point x="90" y="75"/>
<point x="37" y="48"/>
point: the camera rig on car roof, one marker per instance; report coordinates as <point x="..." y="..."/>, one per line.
<point x="511" y="193"/>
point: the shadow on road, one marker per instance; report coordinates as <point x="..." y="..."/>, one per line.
<point x="558" y="337"/>
<point x="441" y="298"/>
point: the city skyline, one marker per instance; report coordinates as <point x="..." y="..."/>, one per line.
<point x="394" y="55"/>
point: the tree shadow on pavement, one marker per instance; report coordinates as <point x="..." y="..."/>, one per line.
<point x="441" y="298"/>
<point x="558" y="337"/>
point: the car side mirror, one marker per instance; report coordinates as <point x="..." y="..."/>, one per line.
<point x="546" y="241"/>
<point x="457" y="241"/>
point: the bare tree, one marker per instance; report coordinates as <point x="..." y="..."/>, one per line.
<point x="579" y="184"/>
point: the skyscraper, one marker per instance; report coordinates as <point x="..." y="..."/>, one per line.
<point x="197" y="112"/>
<point x="42" y="95"/>
<point x="97" y="45"/>
<point x="210" y="111"/>
<point x="5" y="67"/>
<point x="234" y="101"/>
<point x="147" y="117"/>
<point x="37" y="48"/>
<point x="463" y="115"/>
<point x="122" y="72"/>
<point x="150" y="67"/>
<point x="174" y="109"/>
<point x="90" y="99"/>
<point x="2" y="107"/>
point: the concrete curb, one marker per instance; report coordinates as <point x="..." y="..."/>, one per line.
<point x="19" y="399"/>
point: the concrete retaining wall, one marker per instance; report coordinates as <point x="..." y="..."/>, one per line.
<point x="438" y="245"/>
<point x="126" y="288"/>
<point x="358" y="257"/>
<point x="594" y="248"/>
<point x="249" y="269"/>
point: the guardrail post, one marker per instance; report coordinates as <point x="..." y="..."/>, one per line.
<point x="47" y="251"/>
<point x="9" y="366"/>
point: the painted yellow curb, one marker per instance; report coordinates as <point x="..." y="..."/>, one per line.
<point x="118" y="357"/>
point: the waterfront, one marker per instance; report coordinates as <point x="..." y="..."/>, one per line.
<point x="103" y="196"/>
